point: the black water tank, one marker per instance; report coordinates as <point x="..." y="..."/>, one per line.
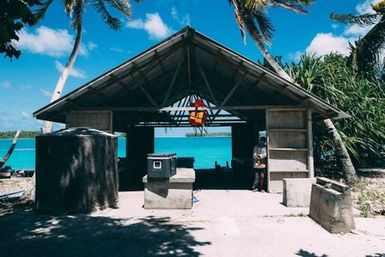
<point x="161" y="165"/>
<point x="76" y="171"/>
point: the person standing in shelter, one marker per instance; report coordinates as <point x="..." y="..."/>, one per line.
<point x="259" y="164"/>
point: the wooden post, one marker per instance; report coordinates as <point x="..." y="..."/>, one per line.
<point x="267" y="151"/>
<point x="310" y="161"/>
<point x="140" y="142"/>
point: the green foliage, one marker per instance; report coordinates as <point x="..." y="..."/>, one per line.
<point x="364" y="19"/>
<point x="14" y="15"/>
<point x="23" y="134"/>
<point x="251" y="15"/>
<point x="366" y="52"/>
<point x="331" y="79"/>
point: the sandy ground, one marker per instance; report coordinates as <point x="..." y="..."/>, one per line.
<point x="221" y="223"/>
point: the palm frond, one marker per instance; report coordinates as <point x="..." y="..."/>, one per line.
<point x="111" y="21"/>
<point x="123" y="6"/>
<point x="41" y="11"/>
<point x="238" y="19"/>
<point x="264" y="25"/>
<point x="364" y="19"/>
<point x="367" y="50"/>
<point x="295" y="6"/>
<point x="69" y="6"/>
<point x="254" y="29"/>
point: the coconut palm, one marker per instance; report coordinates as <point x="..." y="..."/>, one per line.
<point x="366" y="52"/>
<point x="14" y="15"/>
<point x="251" y="16"/>
<point x="331" y="79"/>
<point x="6" y="157"/>
<point x="75" y="10"/>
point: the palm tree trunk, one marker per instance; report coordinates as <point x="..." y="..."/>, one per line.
<point x="48" y="125"/>
<point x="4" y="160"/>
<point x="342" y="154"/>
<point x="281" y="72"/>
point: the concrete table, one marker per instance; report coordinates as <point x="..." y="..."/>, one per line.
<point x="171" y="193"/>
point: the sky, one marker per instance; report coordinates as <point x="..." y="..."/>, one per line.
<point x="26" y="84"/>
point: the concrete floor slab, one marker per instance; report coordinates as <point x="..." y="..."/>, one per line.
<point x="223" y="223"/>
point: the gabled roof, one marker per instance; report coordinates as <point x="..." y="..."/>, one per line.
<point x="186" y="63"/>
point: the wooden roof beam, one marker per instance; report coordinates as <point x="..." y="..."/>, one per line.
<point x="206" y="82"/>
<point x="184" y="108"/>
<point x="172" y="82"/>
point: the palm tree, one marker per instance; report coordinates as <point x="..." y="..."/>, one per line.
<point x="366" y="52"/>
<point x="6" y="157"/>
<point x="331" y="79"/>
<point x="251" y="16"/>
<point x="14" y="16"/>
<point x="75" y="10"/>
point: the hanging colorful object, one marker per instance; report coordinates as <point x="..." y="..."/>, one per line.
<point x="197" y="118"/>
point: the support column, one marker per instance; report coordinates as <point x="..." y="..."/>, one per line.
<point x="139" y="143"/>
<point x="243" y="141"/>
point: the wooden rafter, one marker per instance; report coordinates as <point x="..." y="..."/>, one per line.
<point x="184" y="108"/>
<point x="227" y="98"/>
<point x="149" y="97"/>
<point x="206" y="82"/>
<point x="171" y="85"/>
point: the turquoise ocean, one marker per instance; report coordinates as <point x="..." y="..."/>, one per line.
<point x="205" y="150"/>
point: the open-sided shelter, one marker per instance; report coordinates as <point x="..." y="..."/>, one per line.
<point x="155" y="89"/>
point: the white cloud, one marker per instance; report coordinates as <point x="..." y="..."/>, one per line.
<point x="335" y="26"/>
<point x="116" y="49"/>
<point x="295" y="56"/>
<point x="325" y="43"/>
<point x="51" y="42"/>
<point x="74" y="72"/>
<point x="135" y="24"/>
<point x="185" y="20"/>
<point x="25" y="115"/>
<point x="153" y="25"/>
<point x="47" y="41"/>
<point x="91" y="45"/>
<point x="45" y="92"/>
<point x="6" y="84"/>
<point x="23" y="88"/>
<point x="366" y="7"/>
<point x="356" y="30"/>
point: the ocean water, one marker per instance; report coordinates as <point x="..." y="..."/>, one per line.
<point x="205" y="150"/>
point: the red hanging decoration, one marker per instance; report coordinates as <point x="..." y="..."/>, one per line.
<point x="197" y="118"/>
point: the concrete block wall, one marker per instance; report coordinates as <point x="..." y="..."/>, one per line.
<point x="297" y="192"/>
<point x="331" y="206"/>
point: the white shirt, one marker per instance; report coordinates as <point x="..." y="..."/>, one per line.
<point x="259" y="152"/>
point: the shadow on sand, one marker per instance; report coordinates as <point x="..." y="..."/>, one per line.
<point x="305" y="253"/>
<point x="25" y="233"/>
